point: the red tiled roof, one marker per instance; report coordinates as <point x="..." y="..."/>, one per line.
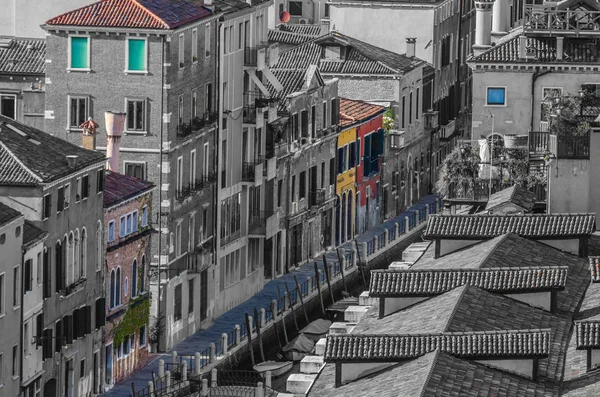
<point x="119" y="187"/>
<point x="139" y="14"/>
<point x="353" y="111"/>
<point x="23" y="56"/>
<point x="588" y="334"/>
<point x="387" y="348"/>
<point x="401" y="283"/>
<point x="595" y="268"/>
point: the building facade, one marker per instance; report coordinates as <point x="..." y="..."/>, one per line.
<point x="127" y="220"/>
<point x="303" y="138"/>
<point x="163" y="77"/>
<point x="60" y="190"/>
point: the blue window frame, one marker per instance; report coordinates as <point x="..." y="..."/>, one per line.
<point x="496" y="96"/>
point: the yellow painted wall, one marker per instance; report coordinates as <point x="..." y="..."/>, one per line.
<point x="346" y="180"/>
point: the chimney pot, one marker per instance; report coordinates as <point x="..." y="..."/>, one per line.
<point x="72" y="160"/>
<point x="411" y="46"/>
<point x="115" y="122"/>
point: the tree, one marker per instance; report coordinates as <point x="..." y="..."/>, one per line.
<point x="459" y="171"/>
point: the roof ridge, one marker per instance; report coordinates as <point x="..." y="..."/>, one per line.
<point x="75" y="10"/>
<point x="18" y="161"/>
<point x="456" y="306"/>
<point x="493" y="250"/>
<point x="434" y="362"/>
<point x="153" y="15"/>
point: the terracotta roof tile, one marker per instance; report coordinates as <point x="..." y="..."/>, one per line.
<point x="588" y="334"/>
<point x="515" y="195"/>
<point x="33" y="156"/>
<point x="294" y="34"/>
<point x="487" y="226"/>
<point x="389" y="348"/>
<point x="595" y="268"/>
<point x="140" y="14"/>
<point x="119" y="187"/>
<point x="23" y="56"/>
<point x="402" y="283"/>
<point x="355" y="111"/>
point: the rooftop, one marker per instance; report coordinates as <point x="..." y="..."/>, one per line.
<point x="119" y="187"/>
<point x="30" y="157"/>
<point x="23" y="56"/>
<point x="32" y="234"/>
<point x="359" y="58"/>
<point x="293" y="34"/>
<point x="514" y="195"/>
<point x="488" y="226"/>
<point x="7" y="214"/>
<point x="354" y="111"/>
<point x="137" y="14"/>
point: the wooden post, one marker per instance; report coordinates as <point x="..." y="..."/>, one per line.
<point x="327" y="278"/>
<point x="299" y="292"/>
<point x="318" y="280"/>
<point x="360" y="265"/>
<point x="342" y="269"/>
<point x="260" y="345"/>
<point x="249" y="331"/>
<point x="273" y="310"/>
<point x="282" y="315"/>
<point x="291" y="306"/>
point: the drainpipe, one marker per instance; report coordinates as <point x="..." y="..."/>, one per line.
<point x="22" y="296"/>
<point x="217" y="102"/>
<point x="159" y="212"/>
<point x="535" y="76"/>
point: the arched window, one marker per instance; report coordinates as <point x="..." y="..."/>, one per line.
<point x="343" y="217"/>
<point x="134" y="277"/>
<point x="118" y="288"/>
<point x="83" y="260"/>
<point x="112" y="289"/>
<point x="58" y="261"/>
<point x="71" y="260"/>
<point x="77" y="256"/>
<point x="65" y="262"/>
<point x="99" y="246"/>
<point x="338" y="220"/>
<point x="143" y="274"/>
<point x="350" y="220"/>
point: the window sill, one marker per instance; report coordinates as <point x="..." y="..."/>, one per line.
<point x="16" y="308"/>
<point x="84" y="70"/>
<point x="135" y="132"/>
<point x="74" y="129"/>
<point x="495" y="106"/>
<point x="142" y="72"/>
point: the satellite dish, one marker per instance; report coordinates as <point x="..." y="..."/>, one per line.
<point x="285" y="16"/>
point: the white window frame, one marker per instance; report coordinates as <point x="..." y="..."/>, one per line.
<point x="144" y="131"/>
<point x="194" y="104"/>
<point x="205" y="160"/>
<point x="181" y="55"/>
<point x="180" y="104"/>
<point x="3" y="292"/>
<point x="193" y="166"/>
<point x="145" y="218"/>
<point x="496" y="105"/>
<point x="179" y="175"/>
<point x="89" y="57"/>
<point x="127" y="71"/>
<point x="67" y="196"/>
<point x="130" y="228"/>
<point x="143" y="163"/>
<point x="145" y="336"/>
<point x="194" y="46"/>
<point x="108" y="237"/>
<point x="192" y="232"/>
<point x="14" y="96"/>
<point x="178" y="232"/>
<point x="207" y="40"/>
<point x="87" y="111"/>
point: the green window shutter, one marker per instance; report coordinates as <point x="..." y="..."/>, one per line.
<point x="137" y="54"/>
<point x="79" y="53"/>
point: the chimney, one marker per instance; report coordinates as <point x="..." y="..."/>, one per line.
<point x="88" y="137"/>
<point x="72" y="160"/>
<point x="411" y="46"/>
<point x="483" y="28"/>
<point x="500" y="19"/>
<point x="208" y="3"/>
<point x="114" y="131"/>
<point x="324" y="27"/>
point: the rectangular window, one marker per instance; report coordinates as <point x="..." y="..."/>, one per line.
<point x="194" y="45"/>
<point x="136" y="170"/>
<point x="26" y="339"/>
<point x="8" y="106"/>
<point x="99" y="181"/>
<point x="225" y="40"/>
<point x="136" y="55"/>
<point x="145" y="216"/>
<point x="142" y="341"/>
<point x="47" y="289"/>
<point x="295" y="8"/>
<point x="177" y="303"/>
<point x="193" y="167"/>
<point x="2" y="292"/>
<point x="194" y="103"/>
<point x="179" y="175"/>
<point x="324" y="121"/>
<point x="126" y="346"/>
<point x="207" y="40"/>
<point x="38" y="268"/>
<point x="352" y="154"/>
<point x="208" y="98"/>
<point x="111" y="231"/>
<point x="60" y="204"/>
<point x="79" y="52"/>
<point x="85" y="187"/>
<point x="67" y="194"/>
<point x="302" y="181"/>
<point x="47" y="206"/>
<point x="240" y="35"/>
<point x="134" y="221"/>
<point x="191" y="232"/>
<point x="82" y="368"/>
<point x="129" y="223"/>
<point x="28" y="281"/>
<point x="15" y="360"/>
<point x="136" y="115"/>
<point x="16" y="286"/>
<point x="403" y="124"/>
<point x="181" y="51"/>
<point x="279" y="192"/>
<point x="78" y="111"/>
<point x="293" y="188"/>
<point x="180" y="110"/>
<point x="123" y="226"/>
<point x="191" y="296"/>
<point x="78" y="192"/>
<point x="178" y="240"/>
<point x="410" y="108"/>
<point x="322" y="175"/>
<point x="496" y="96"/>
<point x="417" y="106"/>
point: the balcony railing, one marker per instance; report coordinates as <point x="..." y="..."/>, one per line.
<point x="248" y="171"/>
<point x="257" y="222"/>
<point x="200" y="259"/>
<point x="538" y="141"/>
<point x="204" y="182"/>
<point x="316" y="198"/>
<point x="183" y="193"/>
<point x="560" y="146"/>
<point x="538" y="18"/>
<point x="230" y="237"/>
<point x="249" y="114"/>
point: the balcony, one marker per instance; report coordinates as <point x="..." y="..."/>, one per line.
<point x="431" y="119"/>
<point x="563" y="22"/>
<point x="396" y="140"/>
<point x="248" y="171"/>
<point x="316" y="198"/>
<point x="200" y="259"/>
<point x="183" y="194"/>
<point x="203" y="183"/>
<point x="542" y="144"/>
<point x="447" y="131"/>
<point x="257" y="222"/>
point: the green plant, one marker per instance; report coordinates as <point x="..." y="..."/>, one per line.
<point x="136" y="316"/>
<point x="389" y="120"/>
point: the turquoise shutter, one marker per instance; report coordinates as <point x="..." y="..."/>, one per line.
<point x="79" y="53"/>
<point x="137" y="54"/>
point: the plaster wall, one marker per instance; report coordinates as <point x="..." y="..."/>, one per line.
<point x="569" y="185"/>
<point x="353" y="371"/>
<point x="543" y="300"/>
<point x="393" y="305"/>
<point x="520" y="366"/>
<point x="448" y="246"/>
